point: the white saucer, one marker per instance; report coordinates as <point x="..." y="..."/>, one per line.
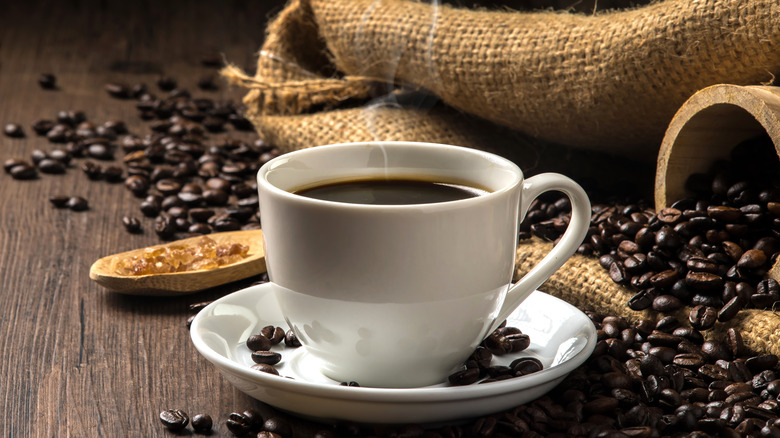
<point x="562" y="338"/>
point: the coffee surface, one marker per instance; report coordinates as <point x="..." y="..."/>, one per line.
<point x="390" y="192"/>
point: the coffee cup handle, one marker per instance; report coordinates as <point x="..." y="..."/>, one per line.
<point x="565" y="248"/>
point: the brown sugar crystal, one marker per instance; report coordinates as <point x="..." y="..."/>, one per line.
<point x="205" y="254"/>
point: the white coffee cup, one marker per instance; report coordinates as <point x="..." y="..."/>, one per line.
<point x="400" y="295"/>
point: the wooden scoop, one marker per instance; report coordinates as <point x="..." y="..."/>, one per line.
<point x="180" y="283"/>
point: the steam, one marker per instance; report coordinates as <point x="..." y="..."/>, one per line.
<point x="398" y="95"/>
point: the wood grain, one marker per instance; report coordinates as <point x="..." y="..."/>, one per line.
<point x="78" y="360"/>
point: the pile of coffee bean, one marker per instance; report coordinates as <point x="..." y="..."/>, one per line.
<point x="711" y="251"/>
<point x="188" y="183"/>
<point x="649" y="379"/>
<point x="479" y="367"/>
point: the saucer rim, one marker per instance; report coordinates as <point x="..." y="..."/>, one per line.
<point x="372" y="394"/>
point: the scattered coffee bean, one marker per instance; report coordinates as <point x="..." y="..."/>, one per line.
<point x="131" y="224"/>
<point x="464" y="377"/>
<point x="202" y="423"/>
<point x="266" y="357"/>
<point x="47" y="81"/>
<point x="266" y="368"/>
<point x="13" y="130"/>
<point x="291" y="339"/>
<point x="238" y="424"/>
<point x="118" y="90"/>
<point x="59" y="201"/>
<point x="258" y="343"/>
<point x="174" y="419"/>
<point x="277" y="426"/>
<point x="23" y="171"/>
<point x="50" y="166"/>
<point x="77" y="203"/>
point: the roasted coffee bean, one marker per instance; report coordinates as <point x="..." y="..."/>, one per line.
<point x="525" y="365"/>
<point x="164" y="226"/>
<point x="730" y="309"/>
<point x="13" y="130"/>
<point x="752" y="259"/>
<point x="703" y="317"/>
<point x="174" y="419"/>
<point x="666" y="303"/>
<point x="239" y="425"/>
<point x="277" y="426"/>
<point x="761" y="362"/>
<point x="258" y="342"/>
<point x="131" y="224"/>
<point x="464" y="377"/>
<point x="118" y="90"/>
<point x="166" y="83"/>
<point x="47" y="81"/>
<point x="202" y="423"/>
<point x="137" y="184"/>
<point x="689" y="360"/>
<point x="92" y="170"/>
<point x="23" y="171"/>
<point x="77" y="203"/>
<point x="716" y="350"/>
<point x="215" y="197"/>
<point x="266" y="357"/>
<point x="59" y="201"/>
<point x="266" y="368"/>
<point x="291" y="339"/>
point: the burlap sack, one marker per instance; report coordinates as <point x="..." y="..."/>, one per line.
<point x="610" y="81"/>
<point x="333" y="71"/>
<point x="586" y="285"/>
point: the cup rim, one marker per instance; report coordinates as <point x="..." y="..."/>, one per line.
<point x="517" y="180"/>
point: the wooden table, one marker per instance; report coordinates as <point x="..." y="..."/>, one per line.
<point x="78" y="360"/>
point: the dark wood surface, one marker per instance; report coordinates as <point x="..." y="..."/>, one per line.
<point x="77" y="360"/>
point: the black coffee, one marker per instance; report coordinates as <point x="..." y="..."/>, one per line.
<point x="390" y="192"/>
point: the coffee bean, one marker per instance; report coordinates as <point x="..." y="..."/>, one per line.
<point x="761" y="362"/>
<point x="47" y="81"/>
<point x="239" y="424"/>
<point x="266" y="368"/>
<point x="59" y="201"/>
<point x="258" y="343"/>
<point x="50" y="166"/>
<point x="525" y="365"/>
<point x="202" y="423"/>
<point x="118" y="90"/>
<point x="174" y="419"/>
<point x="131" y="224"/>
<point x="464" y="377"/>
<point x="77" y="203"/>
<point x="703" y="317"/>
<point x="666" y="303"/>
<point x="13" y="130"/>
<point x="278" y="426"/>
<point x="23" y="171"/>
<point x="291" y="339"/>
<point x="266" y="357"/>
<point x="752" y="259"/>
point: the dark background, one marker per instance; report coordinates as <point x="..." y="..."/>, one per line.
<point x="75" y="359"/>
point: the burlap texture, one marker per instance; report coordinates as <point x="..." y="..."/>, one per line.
<point x="586" y="285"/>
<point x="609" y="81"/>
